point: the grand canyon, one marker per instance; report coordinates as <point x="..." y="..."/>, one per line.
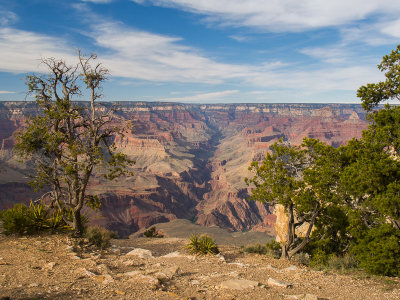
<point x="191" y="160"/>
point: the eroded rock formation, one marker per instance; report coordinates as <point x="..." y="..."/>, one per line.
<point x="191" y="159"/>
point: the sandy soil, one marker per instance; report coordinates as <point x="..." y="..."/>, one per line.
<point x="49" y="267"/>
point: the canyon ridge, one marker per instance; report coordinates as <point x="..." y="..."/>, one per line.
<point x="191" y="159"/>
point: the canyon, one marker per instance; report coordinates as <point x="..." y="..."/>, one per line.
<point x="191" y="159"/>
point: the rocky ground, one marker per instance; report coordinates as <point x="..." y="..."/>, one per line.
<point x="51" y="267"/>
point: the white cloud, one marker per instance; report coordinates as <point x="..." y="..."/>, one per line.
<point x="7" y="92"/>
<point x="21" y="50"/>
<point x="202" y="97"/>
<point x="147" y="56"/>
<point x="7" y="17"/>
<point x="283" y="15"/>
<point x="239" y="38"/>
<point x="391" y="28"/>
<point x="139" y="55"/>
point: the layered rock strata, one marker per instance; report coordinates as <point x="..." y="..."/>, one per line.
<point x="191" y="159"/>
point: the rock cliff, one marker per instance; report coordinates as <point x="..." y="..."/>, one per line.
<point x="191" y="159"/>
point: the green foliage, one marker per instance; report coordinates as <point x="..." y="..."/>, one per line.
<point x="152" y="233"/>
<point x="379" y="250"/>
<point x="374" y="93"/>
<point x="257" y="248"/>
<point x="271" y="248"/>
<point x="69" y="141"/>
<point x="100" y="237"/>
<point x="304" y="179"/>
<point x="202" y="244"/>
<point x="22" y="219"/>
<point x="322" y="260"/>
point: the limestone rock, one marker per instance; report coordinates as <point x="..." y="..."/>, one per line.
<point x="279" y="283"/>
<point x="142" y="253"/>
<point x="168" y="273"/>
<point x="239" y="284"/>
<point x="290" y="269"/>
<point x="138" y="277"/>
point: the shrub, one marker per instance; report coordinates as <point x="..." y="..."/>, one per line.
<point x="22" y="219"/>
<point x="100" y="237"/>
<point x="302" y="258"/>
<point x="271" y="248"/>
<point x="257" y="248"/>
<point x="379" y="250"/>
<point x="203" y="244"/>
<point x="345" y="262"/>
<point x="152" y="233"/>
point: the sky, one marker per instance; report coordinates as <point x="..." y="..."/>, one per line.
<point x="205" y="51"/>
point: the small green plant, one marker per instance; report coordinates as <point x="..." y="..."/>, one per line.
<point x="23" y="219"/>
<point x="344" y="262"/>
<point x="100" y="237"/>
<point x="202" y="244"/>
<point x="271" y="248"/>
<point x="152" y="233"/>
<point x="257" y="248"/>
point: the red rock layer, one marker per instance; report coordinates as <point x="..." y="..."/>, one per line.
<point x="191" y="159"/>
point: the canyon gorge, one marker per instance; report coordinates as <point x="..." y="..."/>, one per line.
<point x="191" y="159"/>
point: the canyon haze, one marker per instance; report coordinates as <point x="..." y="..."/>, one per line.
<point x="191" y="159"/>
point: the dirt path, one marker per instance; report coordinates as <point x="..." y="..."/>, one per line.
<point x="46" y="267"/>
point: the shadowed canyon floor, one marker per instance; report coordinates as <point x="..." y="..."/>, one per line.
<point x="49" y="267"/>
<point x="191" y="159"/>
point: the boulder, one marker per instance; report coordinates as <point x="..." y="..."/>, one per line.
<point x="142" y="253"/>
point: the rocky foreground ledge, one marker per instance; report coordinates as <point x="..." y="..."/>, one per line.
<point x="48" y="267"/>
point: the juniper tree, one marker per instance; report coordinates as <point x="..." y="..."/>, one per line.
<point x="300" y="178"/>
<point x="68" y="141"/>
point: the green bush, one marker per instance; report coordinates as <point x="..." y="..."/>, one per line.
<point x="379" y="250"/>
<point x="100" y="237"/>
<point x="271" y="248"/>
<point x="257" y="248"/>
<point x="152" y="233"/>
<point x="345" y="262"/>
<point x="23" y="219"/>
<point x="203" y="244"/>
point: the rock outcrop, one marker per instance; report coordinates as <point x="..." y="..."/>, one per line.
<point x="191" y="159"/>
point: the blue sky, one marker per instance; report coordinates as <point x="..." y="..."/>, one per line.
<point x="205" y="51"/>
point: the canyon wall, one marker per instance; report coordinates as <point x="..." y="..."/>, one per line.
<point x="191" y="160"/>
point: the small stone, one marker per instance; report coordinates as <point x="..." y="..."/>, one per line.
<point x="168" y="274"/>
<point x="291" y="268"/>
<point x="104" y="279"/>
<point x="118" y="292"/>
<point x="279" y="283"/>
<point x="129" y="263"/>
<point x="103" y="268"/>
<point x="239" y="264"/>
<point x="221" y="257"/>
<point x="50" y="266"/>
<point x="142" y="253"/>
<point x="238" y="284"/>
<point x="84" y="273"/>
<point x="33" y="285"/>
<point x="310" y="297"/>
<point x="195" y="282"/>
